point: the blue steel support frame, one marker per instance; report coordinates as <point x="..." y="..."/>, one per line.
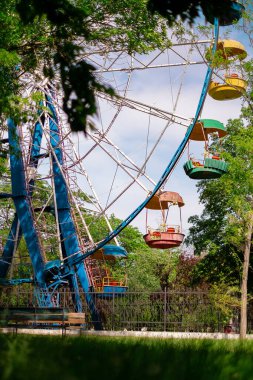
<point x="66" y="224"/>
<point x="22" y="204"/>
<point x="16" y="231"/>
<point x="35" y="150"/>
<point x="171" y="164"/>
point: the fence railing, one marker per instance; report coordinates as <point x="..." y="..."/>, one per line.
<point x="152" y="311"/>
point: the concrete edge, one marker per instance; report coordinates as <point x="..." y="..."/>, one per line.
<point x="163" y="334"/>
<point x="136" y="334"/>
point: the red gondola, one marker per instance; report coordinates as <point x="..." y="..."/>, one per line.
<point x="166" y="235"/>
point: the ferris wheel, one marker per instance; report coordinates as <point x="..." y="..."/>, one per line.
<point x="63" y="185"/>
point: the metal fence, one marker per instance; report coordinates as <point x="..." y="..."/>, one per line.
<point x="157" y="311"/>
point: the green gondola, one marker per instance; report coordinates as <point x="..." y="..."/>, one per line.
<point x="211" y="168"/>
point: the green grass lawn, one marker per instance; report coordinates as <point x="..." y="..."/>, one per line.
<point x="70" y="358"/>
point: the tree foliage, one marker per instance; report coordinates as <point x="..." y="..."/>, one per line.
<point x="155" y="270"/>
<point x="52" y="38"/>
<point x="130" y="238"/>
<point x="190" y="10"/>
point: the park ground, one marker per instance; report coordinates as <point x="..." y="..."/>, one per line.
<point x="70" y="358"/>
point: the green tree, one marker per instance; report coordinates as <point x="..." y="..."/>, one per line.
<point x="146" y="270"/>
<point x="130" y="238"/>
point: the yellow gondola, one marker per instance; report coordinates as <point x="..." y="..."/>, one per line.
<point x="233" y="88"/>
<point x="228" y="49"/>
<point x="232" y="48"/>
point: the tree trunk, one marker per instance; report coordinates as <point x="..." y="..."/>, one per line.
<point x="244" y="288"/>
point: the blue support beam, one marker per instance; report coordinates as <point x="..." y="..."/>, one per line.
<point x="35" y="151"/>
<point x="15" y="233"/>
<point x="22" y="204"/>
<point x="66" y="224"/>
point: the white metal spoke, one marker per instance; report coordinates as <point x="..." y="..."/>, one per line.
<point x="150" y="110"/>
<point x="119" y="163"/>
<point x="133" y="165"/>
<point x="97" y="203"/>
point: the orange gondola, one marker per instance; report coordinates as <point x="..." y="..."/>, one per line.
<point x="104" y="283"/>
